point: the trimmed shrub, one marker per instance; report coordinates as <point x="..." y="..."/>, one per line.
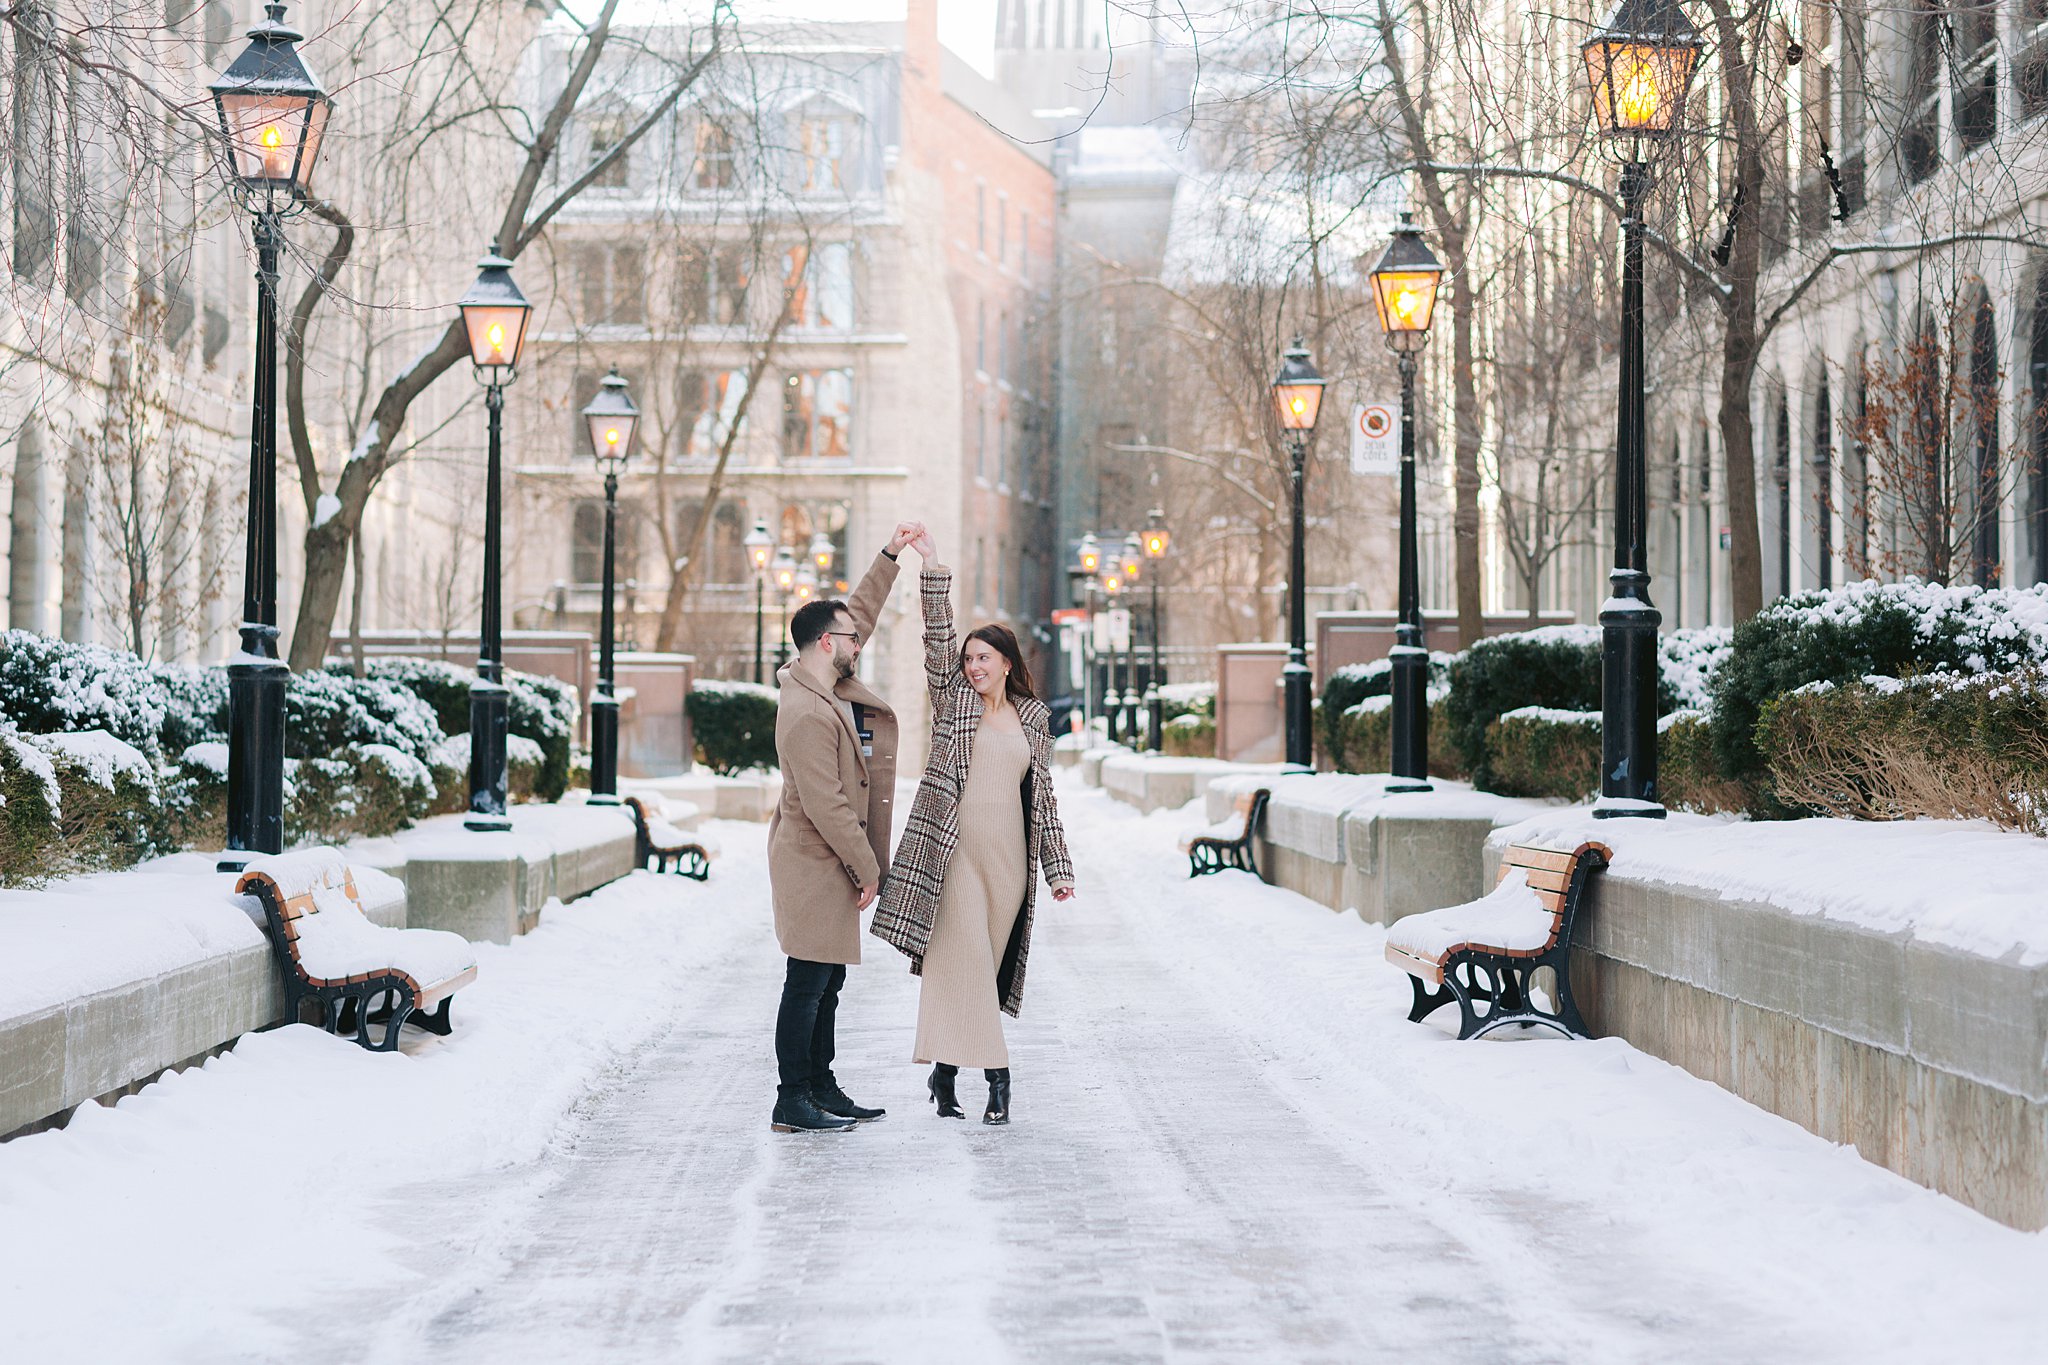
<point x="1936" y="746"/>
<point x="328" y="712"/>
<point x="1187" y="699"/>
<point x="30" y="806"/>
<point x="1556" y="667"/>
<point x="1368" y="736"/>
<point x="734" y="725"/>
<point x="1189" y="735"/>
<point x="110" y="812"/>
<point x="1542" y="752"/>
<point x="1864" y="629"/>
<point x="1346" y="687"/>
<point x="366" y="789"/>
<point x="540" y="709"/>
<point x="1688" y="777"/>
<point x="450" y="765"/>
<point x="195" y="793"/>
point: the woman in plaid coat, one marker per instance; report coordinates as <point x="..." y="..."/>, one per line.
<point x="958" y="897"/>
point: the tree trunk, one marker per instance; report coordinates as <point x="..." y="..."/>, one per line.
<point x="1465" y="434"/>
<point x="1740" y="343"/>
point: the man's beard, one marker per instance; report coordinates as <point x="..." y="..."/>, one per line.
<point x="843" y="666"/>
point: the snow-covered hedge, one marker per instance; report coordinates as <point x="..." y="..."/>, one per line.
<point x="543" y="710"/>
<point x="1187" y="699"/>
<point x="1864" y="629"/>
<point x="733" y="724"/>
<point x="1366" y="733"/>
<point x="1191" y="734"/>
<point x="1940" y="745"/>
<point x="1343" y="690"/>
<point x="1545" y="751"/>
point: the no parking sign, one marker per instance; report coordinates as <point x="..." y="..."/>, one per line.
<point x="1376" y="438"/>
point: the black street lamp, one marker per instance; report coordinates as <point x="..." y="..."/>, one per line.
<point x="1155" y="542"/>
<point x="784" y="570"/>
<point x="1113" y="702"/>
<point x="1132" y="565"/>
<point x="1088" y="561"/>
<point x="1297" y="398"/>
<point x="1404" y="291"/>
<point x="611" y="418"/>
<point x="759" y="546"/>
<point x="494" y="314"/>
<point x="1639" y="66"/>
<point x="272" y="114"/>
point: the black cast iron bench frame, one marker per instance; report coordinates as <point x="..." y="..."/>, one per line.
<point x="1207" y="853"/>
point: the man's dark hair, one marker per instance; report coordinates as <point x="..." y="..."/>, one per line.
<point x="813" y="619"/>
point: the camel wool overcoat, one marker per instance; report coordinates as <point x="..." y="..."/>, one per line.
<point x="829" y="835"/>
<point x="910" y="894"/>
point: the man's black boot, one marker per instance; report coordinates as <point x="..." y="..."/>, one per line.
<point x="998" y="1110"/>
<point x="799" y="1113"/>
<point x="827" y="1095"/>
<point x="941" y="1086"/>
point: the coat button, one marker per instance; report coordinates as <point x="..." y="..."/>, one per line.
<point x="863" y="781"/>
<point x="863" y="824"/>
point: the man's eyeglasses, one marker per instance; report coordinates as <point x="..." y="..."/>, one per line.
<point x="852" y="635"/>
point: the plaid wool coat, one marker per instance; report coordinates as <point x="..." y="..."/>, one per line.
<point x="909" y="903"/>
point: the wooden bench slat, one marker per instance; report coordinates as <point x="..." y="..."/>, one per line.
<point x="1540" y="859"/>
<point x="1542" y="879"/>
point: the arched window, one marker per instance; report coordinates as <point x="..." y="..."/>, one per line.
<point x="1781" y="471"/>
<point x="2037" y="475"/>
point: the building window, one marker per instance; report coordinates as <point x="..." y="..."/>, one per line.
<point x="35" y="149"/>
<point x="714" y="165"/>
<point x="710" y="402"/>
<point x="1002" y="229"/>
<point x="712" y="285"/>
<point x="823" y="152"/>
<point x="611" y="283"/>
<point x="586" y="543"/>
<point x="817" y="414"/>
<point x="607" y="132"/>
<point x="819" y="279"/>
<point x="1781" y="474"/>
<point x="1024" y="245"/>
<point x="2030" y="62"/>
<point x="2037" y="475"/>
<point x="1976" y="73"/>
<point x="981" y="335"/>
<point x="1920" y="137"/>
<point x="981" y="218"/>
<point x="722" y="555"/>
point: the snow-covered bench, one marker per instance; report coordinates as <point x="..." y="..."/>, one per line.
<point x="1228" y="844"/>
<point x="330" y="953"/>
<point x="661" y="843"/>
<point x="1486" y="954"/>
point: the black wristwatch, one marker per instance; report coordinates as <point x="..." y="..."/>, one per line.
<point x="889" y="554"/>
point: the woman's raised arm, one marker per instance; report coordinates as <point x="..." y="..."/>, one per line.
<point x="941" y="650"/>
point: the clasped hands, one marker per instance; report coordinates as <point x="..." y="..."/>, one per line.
<point x="918" y="537"/>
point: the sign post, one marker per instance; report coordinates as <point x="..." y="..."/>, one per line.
<point x="1376" y="438"/>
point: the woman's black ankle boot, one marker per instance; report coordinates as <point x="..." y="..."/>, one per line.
<point x="941" y="1086"/>
<point x="998" y="1096"/>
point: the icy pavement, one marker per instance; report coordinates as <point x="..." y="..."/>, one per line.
<point x="1228" y="1145"/>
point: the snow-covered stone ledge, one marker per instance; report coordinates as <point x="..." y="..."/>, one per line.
<point x="108" y="980"/>
<point x="1166" y="782"/>
<point x="1345" y="841"/>
<point x="1882" y="985"/>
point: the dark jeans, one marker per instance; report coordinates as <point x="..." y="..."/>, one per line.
<point x="803" y="1026"/>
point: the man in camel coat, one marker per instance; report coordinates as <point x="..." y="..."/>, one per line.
<point x="828" y="840"/>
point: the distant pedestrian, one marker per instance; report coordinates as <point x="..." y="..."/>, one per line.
<point x="828" y="839"/>
<point x="958" y="898"/>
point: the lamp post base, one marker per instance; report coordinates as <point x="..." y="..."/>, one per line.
<point x="256" y="687"/>
<point x="1628" y="700"/>
<point x="604" y="751"/>
<point x="489" y="725"/>
<point x="1297" y="712"/>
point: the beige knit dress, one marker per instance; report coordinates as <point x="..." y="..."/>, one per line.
<point x="959" y="1017"/>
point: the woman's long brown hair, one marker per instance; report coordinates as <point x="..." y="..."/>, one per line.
<point x="1003" y="641"/>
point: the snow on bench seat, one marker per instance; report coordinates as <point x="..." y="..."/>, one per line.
<point x="1508" y="919"/>
<point x="329" y="951"/>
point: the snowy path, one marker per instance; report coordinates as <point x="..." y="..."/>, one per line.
<point x="1228" y="1145"/>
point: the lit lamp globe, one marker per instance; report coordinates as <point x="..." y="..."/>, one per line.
<point x="1640" y="64"/>
<point x="494" y="314"/>
<point x="1133" y="559"/>
<point x="611" y="418"/>
<point x="760" y="545"/>
<point x="821" y="553"/>
<point x="806" y="583"/>
<point x="785" y="571"/>
<point x="1091" y="554"/>
<point x="1297" y="390"/>
<point x="1156" y="538"/>
<point x="272" y="113"/>
<point x="1404" y="285"/>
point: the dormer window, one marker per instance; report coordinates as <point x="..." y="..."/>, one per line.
<point x="714" y="167"/>
<point x="607" y="131"/>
